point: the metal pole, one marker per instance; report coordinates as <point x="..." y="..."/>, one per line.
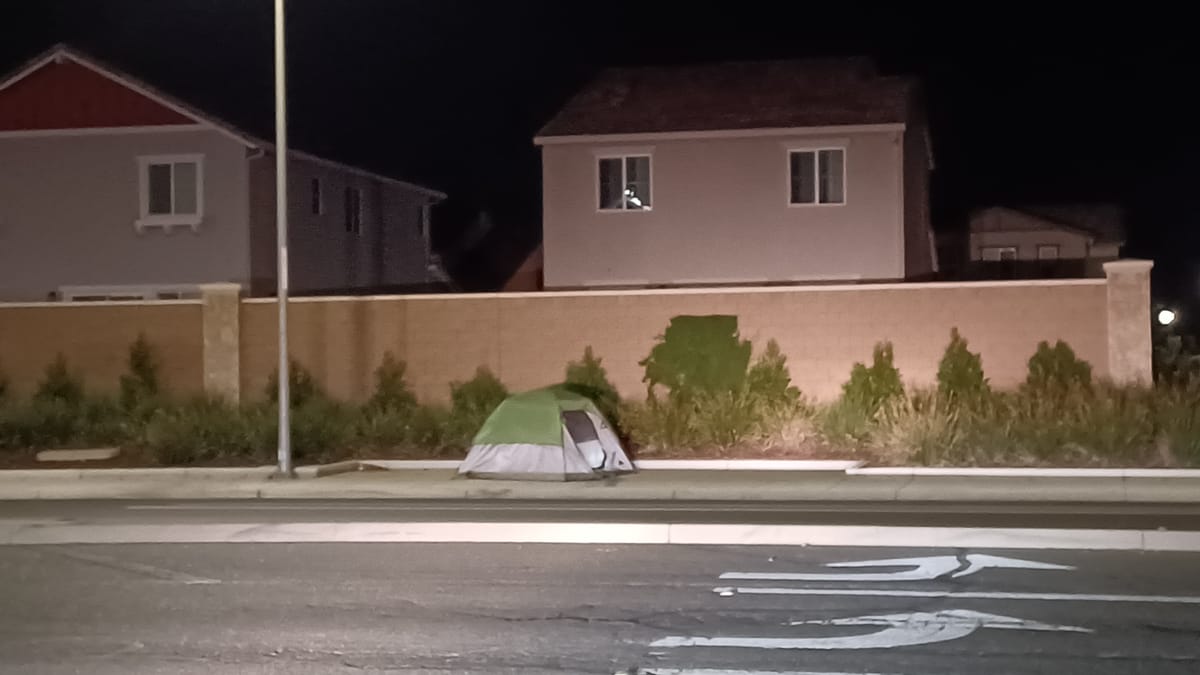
<point x="281" y="241"/>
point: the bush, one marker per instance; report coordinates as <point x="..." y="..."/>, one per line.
<point x="322" y="431"/>
<point x="960" y="373"/>
<point x="209" y="429"/>
<point x="391" y="390"/>
<point x="1056" y="370"/>
<point x="844" y="422"/>
<point x="659" y="424"/>
<point x="60" y="384"/>
<point x="302" y="386"/>
<point x="427" y="428"/>
<point x="140" y="386"/>
<point x="1176" y="360"/>
<point x="924" y="428"/>
<point x="470" y="404"/>
<point x="871" y="388"/>
<point x="588" y="378"/>
<point x="698" y="354"/>
<point x="40" y="423"/>
<point x="1177" y="418"/>
<point x="769" y="381"/>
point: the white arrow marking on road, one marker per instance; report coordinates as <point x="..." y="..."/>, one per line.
<point x="721" y="671"/>
<point x="923" y="569"/>
<point x="729" y="591"/>
<point x="900" y="630"/>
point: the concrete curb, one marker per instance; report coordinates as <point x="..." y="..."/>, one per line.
<point x="1020" y="472"/>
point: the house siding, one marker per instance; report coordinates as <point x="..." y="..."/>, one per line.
<point x="68" y="206"/>
<point x="721" y="215"/>
<point x="323" y="256"/>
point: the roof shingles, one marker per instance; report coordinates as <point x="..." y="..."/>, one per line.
<point x="741" y="95"/>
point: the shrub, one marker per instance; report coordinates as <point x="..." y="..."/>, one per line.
<point x="322" y="430"/>
<point x="391" y="389"/>
<point x="40" y="423"/>
<point x="588" y="378"/>
<point x="1055" y="370"/>
<point x="698" y="354"/>
<point x="139" y="386"/>
<point x="769" y="381"/>
<point x="302" y="386"/>
<point x="870" y="388"/>
<point x="428" y="428"/>
<point x="960" y="373"/>
<point x="660" y="424"/>
<point x="210" y="429"/>
<point x="60" y="384"/>
<point x="925" y="429"/>
<point x="1176" y="360"/>
<point x="725" y="419"/>
<point x="1177" y="418"/>
<point x="470" y="404"/>
<point x="844" y="422"/>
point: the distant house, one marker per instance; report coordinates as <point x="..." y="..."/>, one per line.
<point x="110" y="188"/>
<point x="737" y="173"/>
<point x="1055" y="240"/>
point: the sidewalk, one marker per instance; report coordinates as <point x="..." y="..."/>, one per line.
<point x="661" y="484"/>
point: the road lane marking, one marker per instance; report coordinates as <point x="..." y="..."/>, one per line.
<point x="723" y="671"/>
<point x="727" y="591"/>
<point x="899" y="630"/>
<point x="922" y="569"/>
<point x="135" y="567"/>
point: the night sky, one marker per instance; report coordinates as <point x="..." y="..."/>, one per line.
<point x="1025" y="106"/>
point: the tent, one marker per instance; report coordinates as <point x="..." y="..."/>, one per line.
<point x="546" y="434"/>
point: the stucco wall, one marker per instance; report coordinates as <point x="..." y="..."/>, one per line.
<point x="68" y="206"/>
<point x="390" y="249"/>
<point x="95" y="339"/>
<point x="721" y="214"/>
<point x="528" y="339"/>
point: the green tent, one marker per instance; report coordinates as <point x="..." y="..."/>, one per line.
<point x="546" y="434"/>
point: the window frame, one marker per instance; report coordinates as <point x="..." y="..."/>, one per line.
<point x="353" y="225"/>
<point x="316" y="196"/>
<point x="815" y="151"/>
<point x="983" y="250"/>
<point x="624" y="156"/>
<point x="1055" y="247"/>
<point x="168" y="220"/>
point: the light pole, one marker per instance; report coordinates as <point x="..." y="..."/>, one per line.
<point x="284" y="469"/>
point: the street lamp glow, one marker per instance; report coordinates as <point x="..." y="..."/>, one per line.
<point x="1166" y="317"/>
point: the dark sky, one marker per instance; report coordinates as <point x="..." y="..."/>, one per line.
<point x="1026" y="105"/>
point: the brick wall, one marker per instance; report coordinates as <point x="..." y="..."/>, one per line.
<point x="95" y="339"/>
<point x="527" y="339"/>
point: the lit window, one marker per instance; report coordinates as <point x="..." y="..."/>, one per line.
<point x="817" y="176"/>
<point x="354" y="214"/>
<point x="625" y="183"/>
<point x="171" y="190"/>
<point x="1047" y="252"/>
<point x="998" y="253"/>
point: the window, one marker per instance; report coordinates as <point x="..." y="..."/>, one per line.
<point x="1047" y="252"/>
<point x="998" y="253"/>
<point x="625" y="183"/>
<point x="817" y="176"/>
<point x="172" y="191"/>
<point x="316" y="198"/>
<point x="354" y="210"/>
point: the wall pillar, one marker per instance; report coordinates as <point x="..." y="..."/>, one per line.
<point x="1129" y="346"/>
<point x="222" y="340"/>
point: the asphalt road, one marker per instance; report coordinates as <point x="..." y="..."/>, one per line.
<point x="541" y="609"/>
<point x="1168" y="516"/>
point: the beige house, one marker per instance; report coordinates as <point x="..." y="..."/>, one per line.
<point x="112" y="189"/>
<point x="737" y="173"/>
<point x="1076" y="238"/>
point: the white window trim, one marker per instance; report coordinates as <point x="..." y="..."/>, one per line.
<point x="815" y="150"/>
<point x="168" y="221"/>
<point x="73" y="293"/>
<point x="999" y="253"/>
<point x="1057" y="251"/>
<point x="623" y="156"/>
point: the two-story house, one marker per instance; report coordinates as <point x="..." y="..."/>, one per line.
<point x="737" y="173"/>
<point x="110" y="188"/>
